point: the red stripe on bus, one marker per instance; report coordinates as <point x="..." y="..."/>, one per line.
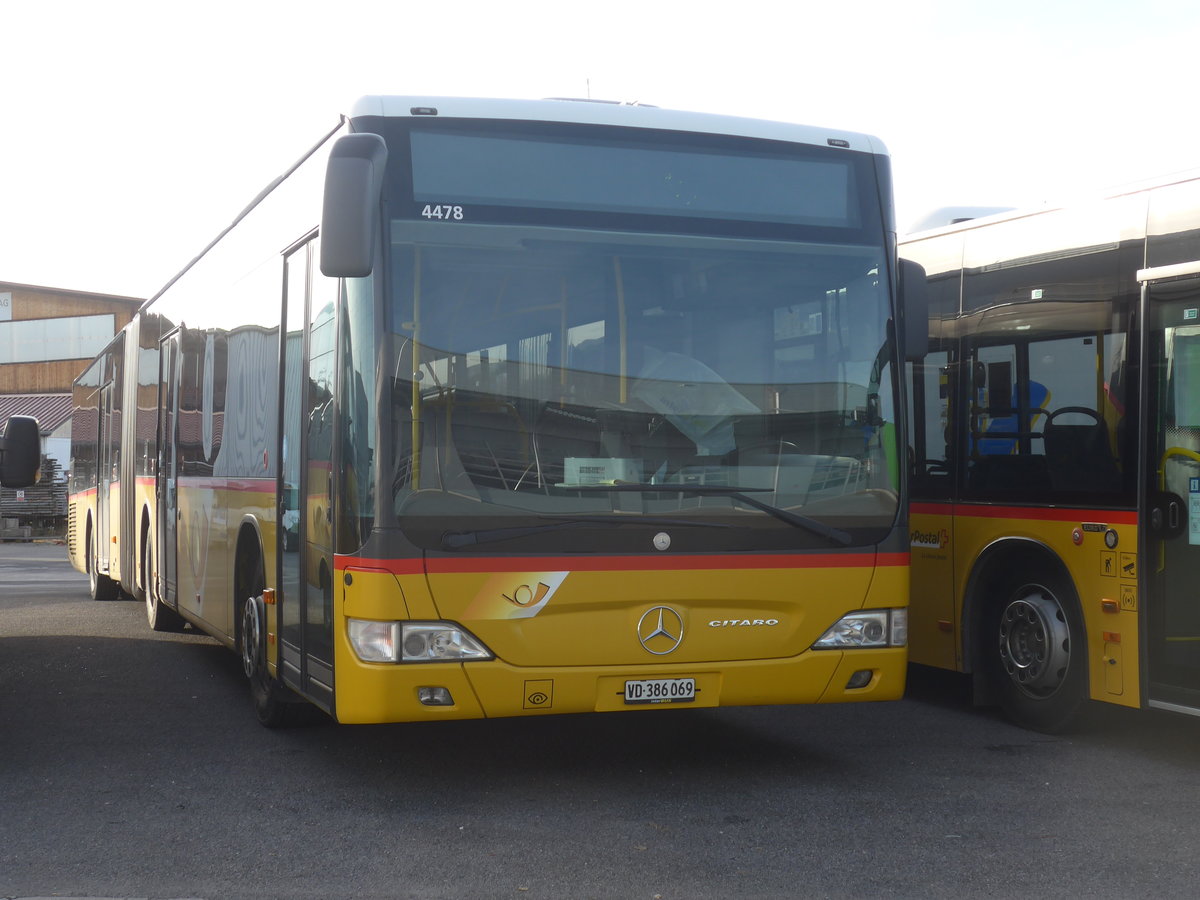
<point x="446" y="565"/>
<point x="1036" y="513"/>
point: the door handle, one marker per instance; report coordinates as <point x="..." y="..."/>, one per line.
<point x="1167" y="519"/>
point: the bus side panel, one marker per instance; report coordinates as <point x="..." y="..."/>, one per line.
<point x="1103" y="578"/>
<point x="227" y="308"/>
<point x="934" y="618"/>
<point x="85" y="435"/>
<point x="80" y="508"/>
<point x="226" y="440"/>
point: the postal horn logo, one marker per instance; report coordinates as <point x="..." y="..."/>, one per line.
<point x="660" y="630"/>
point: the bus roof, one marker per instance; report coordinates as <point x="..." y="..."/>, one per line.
<point x="605" y="113"/>
<point x="952" y="219"/>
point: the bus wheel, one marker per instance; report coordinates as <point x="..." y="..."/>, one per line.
<point x="272" y="701"/>
<point x="160" y="616"/>
<point x="100" y="587"/>
<point x="1036" y="654"/>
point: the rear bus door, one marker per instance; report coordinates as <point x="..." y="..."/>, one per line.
<point x="107" y="474"/>
<point x="1171" y="474"/>
<point x="166" y="479"/>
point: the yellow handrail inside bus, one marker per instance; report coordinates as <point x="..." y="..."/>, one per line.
<point x="416" y="367"/>
<point x="623" y="375"/>
<point x="1173" y="451"/>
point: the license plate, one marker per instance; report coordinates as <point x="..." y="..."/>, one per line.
<point x="661" y="690"/>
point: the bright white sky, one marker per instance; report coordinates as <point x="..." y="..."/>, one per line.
<point x="134" y="131"/>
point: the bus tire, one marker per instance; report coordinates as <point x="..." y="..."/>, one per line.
<point x="100" y="587"/>
<point x="159" y="616"/>
<point x="1034" y="652"/>
<point x="274" y="704"/>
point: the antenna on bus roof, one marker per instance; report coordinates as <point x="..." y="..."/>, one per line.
<point x="610" y="102"/>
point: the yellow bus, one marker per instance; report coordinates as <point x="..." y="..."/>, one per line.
<point x="504" y="408"/>
<point x="1056" y="446"/>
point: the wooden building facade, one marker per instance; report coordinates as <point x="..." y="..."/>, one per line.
<point x="48" y="336"/>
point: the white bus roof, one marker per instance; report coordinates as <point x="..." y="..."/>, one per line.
<point x="603" y="113"/>
<point x="952" y="219"/>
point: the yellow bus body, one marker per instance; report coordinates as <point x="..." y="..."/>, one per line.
<point x="1102" y="577"/>
<point x="592" y="618"/>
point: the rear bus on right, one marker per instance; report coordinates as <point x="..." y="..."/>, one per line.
<point x="1055" y="441"/>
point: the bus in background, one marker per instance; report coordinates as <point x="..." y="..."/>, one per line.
<point x="1056" y="444"/>
<point x="500" y="408"/>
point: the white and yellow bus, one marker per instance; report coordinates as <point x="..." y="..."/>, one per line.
<point x="499" y="408"/>
<point x="1056" y="439"/>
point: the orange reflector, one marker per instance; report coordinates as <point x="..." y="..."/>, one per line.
<point x="269" y="596"/>
<point x="1112" y="637"/>
<point x="271" y="637"/>
<point x="1110" y="606"/>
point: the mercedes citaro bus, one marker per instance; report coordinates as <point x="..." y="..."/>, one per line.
<point x="501" y="408"/>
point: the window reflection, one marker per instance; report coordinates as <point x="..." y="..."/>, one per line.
<point x="39" y="340"/>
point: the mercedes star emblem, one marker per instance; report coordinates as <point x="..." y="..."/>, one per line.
<point x="660" y="630"/>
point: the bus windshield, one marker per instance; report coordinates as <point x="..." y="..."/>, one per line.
<point x="555" y="384"/>
<point x="530" y="369"/>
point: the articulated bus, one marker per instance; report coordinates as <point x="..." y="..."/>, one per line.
<point x="1056" y="441"/>
<point x="500" y="408"/>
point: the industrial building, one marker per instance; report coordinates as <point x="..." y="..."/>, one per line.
<point x="47" y="338"/>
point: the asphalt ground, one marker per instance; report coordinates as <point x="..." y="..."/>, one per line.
<point x="131" y="765"/>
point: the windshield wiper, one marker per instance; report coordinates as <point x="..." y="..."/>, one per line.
<point x="736" y="493"/>
<point x="456" y="540"/>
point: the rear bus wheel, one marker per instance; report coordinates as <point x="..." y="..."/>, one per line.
<point x="1035" y="652"/>
<point x="274" y="704"/>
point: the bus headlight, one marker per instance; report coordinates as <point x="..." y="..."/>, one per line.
<point x="438" y="642"/>
<point x="870" y="628"/>
<point x="413" y="642"/>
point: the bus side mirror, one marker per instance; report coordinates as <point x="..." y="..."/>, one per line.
<point x="353" y="184"/>
<point x="21" y="452"/>
<point x="913" y="308"/>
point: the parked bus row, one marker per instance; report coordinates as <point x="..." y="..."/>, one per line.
<point x="493" y="408"/>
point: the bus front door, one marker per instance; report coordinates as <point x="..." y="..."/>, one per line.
<point x="108" y="467"/>
<point x="305" y="509"/>
<point x="1170" y="556"/>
